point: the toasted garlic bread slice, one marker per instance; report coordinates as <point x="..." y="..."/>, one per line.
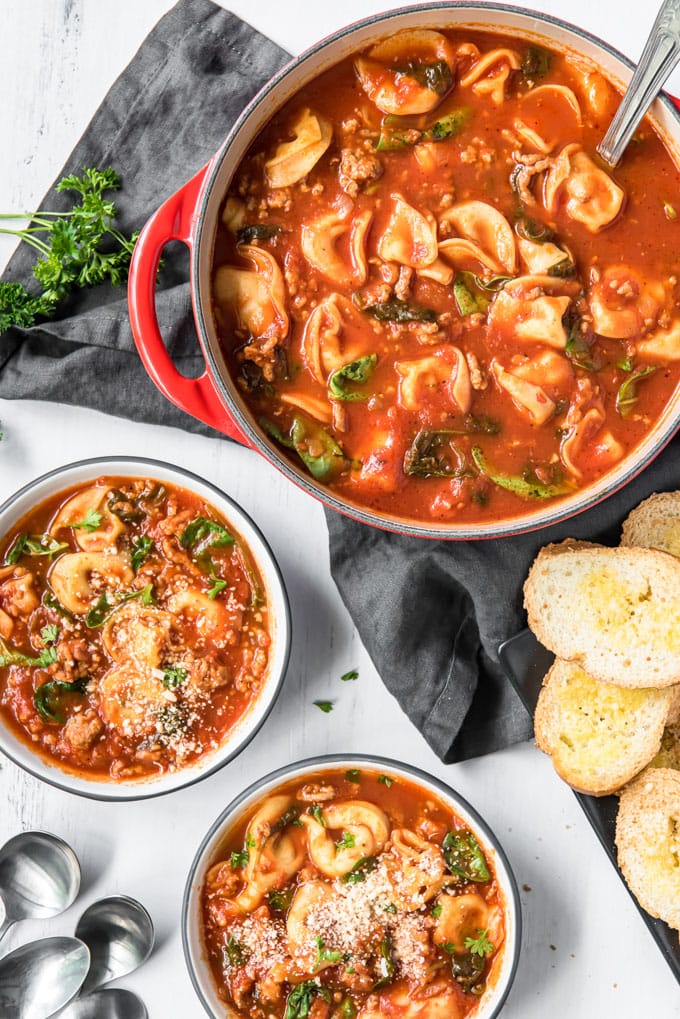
<point x="648" y="841"/>
<point x="655" y="523"/>
<point x="599" y="736"/>
<point x="616" y="611"/>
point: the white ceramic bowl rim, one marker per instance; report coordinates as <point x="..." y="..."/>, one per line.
<point x="536" y="516"/>
<point x="506" y="878"/>
<point x="247" y="728"/>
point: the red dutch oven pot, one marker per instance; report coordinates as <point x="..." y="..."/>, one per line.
<point x="191" y="216"/>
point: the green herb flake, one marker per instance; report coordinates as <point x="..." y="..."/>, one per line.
<point x="347" y="677"/>
<point x="348" y="841"/>
<point x="357" y="372"/>
<point x="325" y="706"/>
<point x="234" y="952"/>
<point x="317" y="813"/>
<point x="386" y="781"/>
<point x="625" y="364"/>
<point x="480" y="945"/>
<point x="386" y="964"/>
<point x="353" y="775"/>
<point x="218" y="585"/>
<point x="280" y="899"/>
<point x="437" y="910"/>
<point x="141" y="547"/>
<point x="396" y="132"/>
<point x="390" y="908"/>
<point x="324" y="954"/>
<point x="91" y="522"/>
<point x="395" y="310"/>
<point x="16" y="550"/>
<point x="50" y="633"/>
<point x="174" y="676"/>
<point x="239" y="859"/>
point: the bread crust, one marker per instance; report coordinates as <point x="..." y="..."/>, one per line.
<point x="655" y="523"/>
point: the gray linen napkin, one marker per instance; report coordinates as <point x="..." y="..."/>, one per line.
<point x="430" y="613"/>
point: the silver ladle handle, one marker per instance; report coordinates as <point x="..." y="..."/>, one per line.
<point x="659" y="57"/>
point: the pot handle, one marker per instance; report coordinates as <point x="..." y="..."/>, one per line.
<point x="173" y="221"/>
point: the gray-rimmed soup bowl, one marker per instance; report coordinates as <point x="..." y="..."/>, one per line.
<point x="209" y="853"/>
<point x="82" y="472"/>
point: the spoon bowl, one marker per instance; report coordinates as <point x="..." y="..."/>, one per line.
<point x="41" y="977"/>
<point x="39" y="878"/>
<point x="119" y="934"/>
<point x="112" y="1003"/>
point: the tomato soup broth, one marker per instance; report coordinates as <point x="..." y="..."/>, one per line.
<point x="431" y="292"/>
<point x="352" y="894"/>
<point x="133" y="628"/>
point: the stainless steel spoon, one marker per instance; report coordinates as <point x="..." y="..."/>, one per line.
<point x="119" y="934"/>
<point x="39" y="978"/>
<point x="112" y="1003"/>
<point x="39" y="878"/>
<point x="659" y="57"/>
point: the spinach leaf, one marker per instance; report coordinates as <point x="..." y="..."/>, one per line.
<point x="493" y="284"/>
<point x="320" y="453"/>
<point x="578" y="349"/>
<point x="464" y="856"/>
<point x="358" y="371"/>
<point x="359" y="871"/>
<point x="395" y="310"/>
<point x="299" y="1004"/>
<point x="627" y="396"/>
<point x="467" y="300"/>
<point x="467" y="969"/>
<point x="56" y="606"/>
<point x="257" y="232"/>
<point x="396" y="134"/>
<point x="141" y="547"/>
<point x="127" y="510"/>
<point x="385" y="964"/>
<point x="51" y="698"/>
<point x="205" y="532"/>
<point x="16" y="550"/>
<point x="536" y="63"/>
<point x="234" y="952"/>
<point x="527" y="487"/>
<point x="564" y="269"/>
<point x="436" y="76"/>
<point x="433" y="455"/>
<point x="35" y="544"/>
<point x="103" y="608"/>
<point x="290" y="816"/>
<point x="533" y="230"/>
<point x="280" y="899"/>
<point x="478" y="424"/>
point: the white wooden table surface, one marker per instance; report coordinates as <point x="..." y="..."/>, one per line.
<point x="585" y="951"/>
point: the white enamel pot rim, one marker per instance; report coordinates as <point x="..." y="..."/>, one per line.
<point x="252" y="720"/>
<point x="216" y="178"/>
<point x="195" y="956"/>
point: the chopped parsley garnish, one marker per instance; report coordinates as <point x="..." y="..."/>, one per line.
<point x="437" y="910"/>
<point x="391" y="908"/>
<point x="174" y="676"/>
<point x="281" y="899"/>
<point x="480" y="945"/>
<point x="239" y="860"/>
<point x="141" y="547"/>
<point x="91" y="522"/>
<point x="234" y="951"/>
<point x="353" y="775"/>
<point x="317" y="814"/>
<point x="325" y="706"/>
<point x="384" y="780"/>
<point x="348" y="841"/>
<point x="8" y="656"/>
<point x="50" y="633"/>
<point x="218" y="585"/>
<point x="347" y="677"/>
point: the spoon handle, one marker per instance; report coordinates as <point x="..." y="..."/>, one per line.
<point x="659" y="57"/>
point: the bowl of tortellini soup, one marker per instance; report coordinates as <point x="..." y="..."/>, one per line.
<point x="351" y="887"/>
<point x="418" y="290"/>
<point x="144" y="628"/>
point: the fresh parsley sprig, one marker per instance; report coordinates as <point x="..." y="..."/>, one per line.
<point x="77" y="248"/>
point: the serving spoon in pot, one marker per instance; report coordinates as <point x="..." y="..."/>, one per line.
<point x="37" y="979"/>
<point x="659" y="57"/>
<point x="39" y="878"/>
<point x="119" y="934"/>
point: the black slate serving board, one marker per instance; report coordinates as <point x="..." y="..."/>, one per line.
<point x="526" y="662"/>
